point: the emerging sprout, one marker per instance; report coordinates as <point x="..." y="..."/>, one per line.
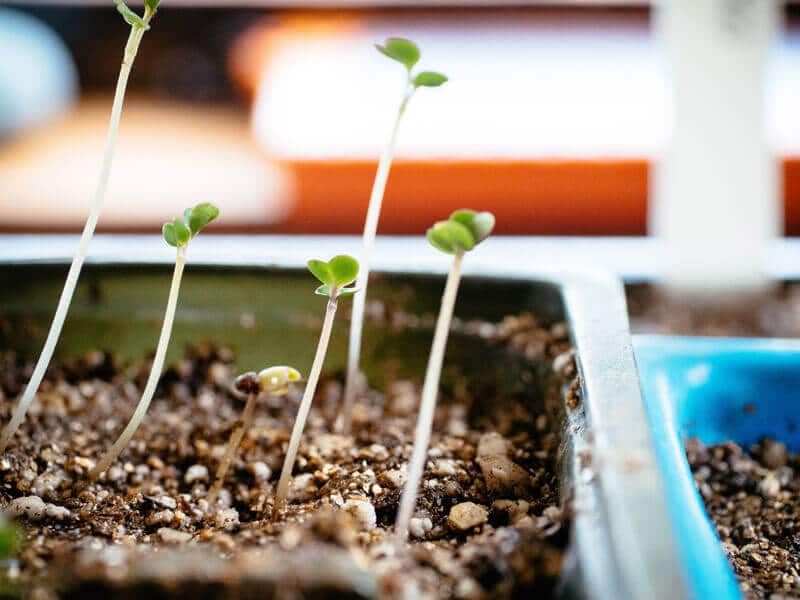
<point x="464" y="230"/>
<point x="335" y="275"/>
<point x="274" y="381"/>
<point x="178" y="234"/>
<point x="139" y="24"/>
<point x="407" y="54"/>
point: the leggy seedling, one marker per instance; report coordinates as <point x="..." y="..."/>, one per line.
<point x="335" y="275"/>
<point x="177" y="234"/>
<point x="139" y="24"/>
<point x="459" y="234"/>
<point x="407" y="54"/>
<point x="274" y="381"/>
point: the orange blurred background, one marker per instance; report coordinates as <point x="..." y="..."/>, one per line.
<point x="229" y="105"/>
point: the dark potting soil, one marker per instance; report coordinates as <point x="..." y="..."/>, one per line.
<point x="753" y="498"/>
<point x="489" y="522"/>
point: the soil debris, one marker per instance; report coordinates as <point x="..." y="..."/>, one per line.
<point x="753" y="499"/>
<point x="484" y="525"/>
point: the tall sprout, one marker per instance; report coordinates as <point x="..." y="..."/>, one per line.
<point x="335" y="275"/>
<point x="139" y="24"/>
<point x="407" y="54"/>
<point x="459" y="234"/>
<point x="177" y="234"/>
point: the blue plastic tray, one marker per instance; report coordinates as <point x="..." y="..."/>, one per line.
<point x="715" y="389"/>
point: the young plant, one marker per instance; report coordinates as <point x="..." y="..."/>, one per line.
<point x="335" y="275"/>
<point x="139" y="24"/>
<point x="459" y="234"/>
<point x="177" y="234"/>
<point x="407" y="54"/>
<point x="274" y="381"/>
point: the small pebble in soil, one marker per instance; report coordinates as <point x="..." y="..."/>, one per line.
<point x="196" y="473"/>
<point x="418" y="527"/>
<point x="227" y="518"/>
<point x="31" y="507"/>
<point x="493" y="443"/>
<point x="173" y="536"/>
<point x="502" y="474"/>
<point x="467" y="515"/>
<point x="363" y="512"/>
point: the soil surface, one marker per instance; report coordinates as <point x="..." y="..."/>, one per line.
<point x="489" y="521"/>
<point x="753" y="498"/>
<point x="772" y="313"/>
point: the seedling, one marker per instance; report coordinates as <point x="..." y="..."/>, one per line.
<point x="459" y="234"/>
<point x="139" y="24"/>
<point x="407" y="54"/>
<point x="335" y="275"/>
<point x="177" y="233"/>
<point x="274" y="381"/>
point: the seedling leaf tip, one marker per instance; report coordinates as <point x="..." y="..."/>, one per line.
<point x="334" y="275"/>
<point x="402" y="50"/>
<point x="179" y="232"/>
<point x="429" y="79"/>
<point x="131" y="18"/>
<point x="461" y="232"/>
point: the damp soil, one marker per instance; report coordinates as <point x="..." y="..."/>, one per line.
<point x="753" y="498"/>
<point x="489" y="521"/>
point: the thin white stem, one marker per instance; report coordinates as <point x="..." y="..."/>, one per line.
<point x="233" y="445"/>
<point x="360" y="299"/>
<point x="83" y="247"/>
<point x="427" y="407"/>
<point x="155" y="370"/>
<point x="305" y="405"/>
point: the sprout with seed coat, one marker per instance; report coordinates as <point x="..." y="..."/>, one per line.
<point x="335" y="275"/>
<point x="274" y="381"/>
<point x="459" y="234"/>
<point x="178" y="233"/>
<point x="139" y="24"/>
<point x="407" y="54"/>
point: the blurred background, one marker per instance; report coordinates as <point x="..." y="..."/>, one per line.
<point x="553" y="118"/>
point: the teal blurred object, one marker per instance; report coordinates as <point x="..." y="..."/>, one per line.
<point x="714" y="389"/>
<point x="38" y="79"/>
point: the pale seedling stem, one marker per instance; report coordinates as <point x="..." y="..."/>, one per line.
<point x="233" y="446"/>
<point x="305" y="404"/>
<point x="422" y="435"/>
<point x="370" y="231"/>
<point x="155" y="370"/>
<point x="131" y="48"/>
